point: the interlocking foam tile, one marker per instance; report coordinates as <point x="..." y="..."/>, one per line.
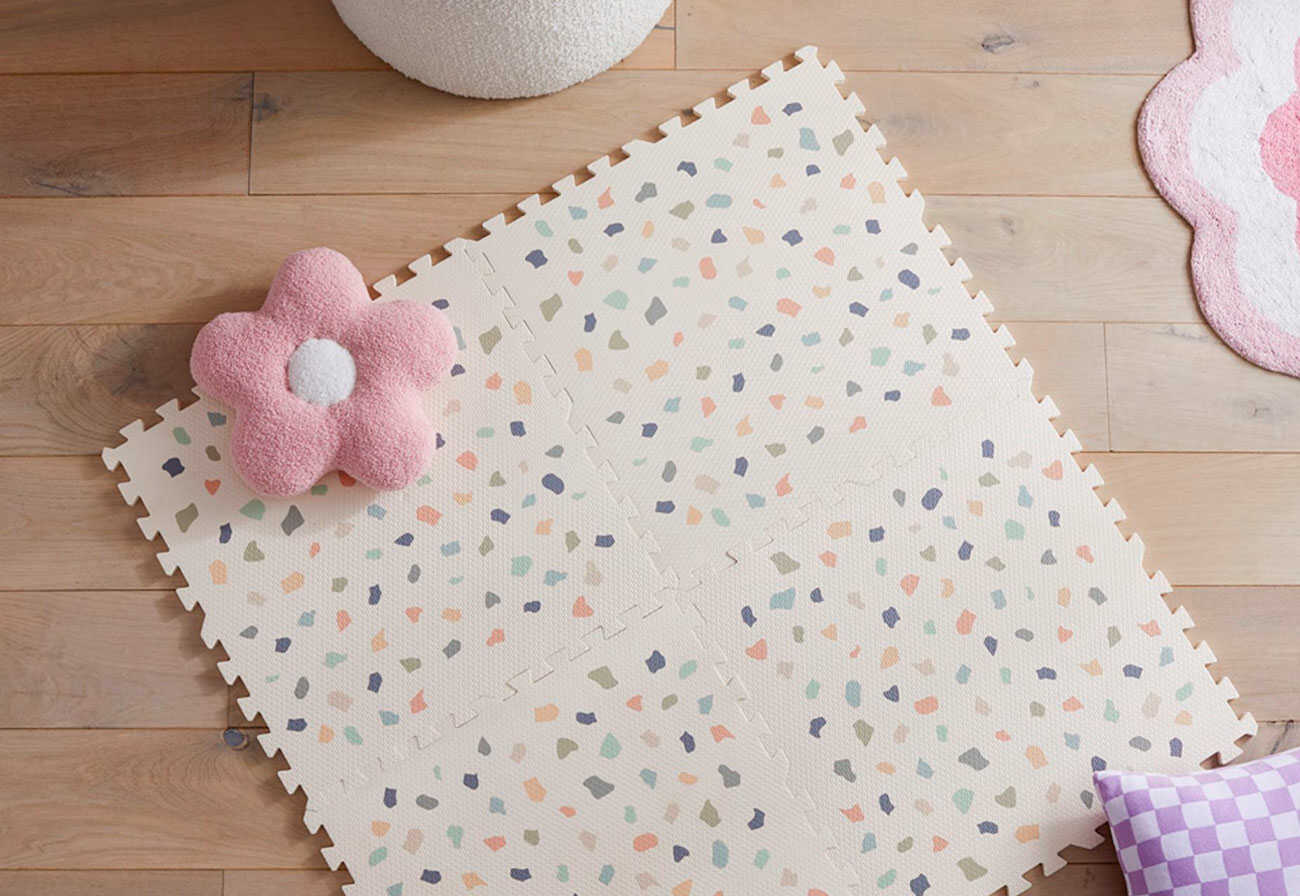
<point x="730" y="384"/>
<point x="751" y="312"/>
<point x="948" y="654"/>
<point x="358" y="620"/>
<point x="632" y="768"/>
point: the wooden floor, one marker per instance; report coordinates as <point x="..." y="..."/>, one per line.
<point x="159" y="157"/>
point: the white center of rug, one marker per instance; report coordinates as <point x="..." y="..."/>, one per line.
<point x="322" y="372"/>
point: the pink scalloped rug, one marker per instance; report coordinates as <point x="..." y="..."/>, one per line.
<point x="1220" y="136"/>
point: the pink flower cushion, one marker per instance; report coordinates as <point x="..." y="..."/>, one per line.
<point x="1232" y="831"/>
<point x="322" y="378"/>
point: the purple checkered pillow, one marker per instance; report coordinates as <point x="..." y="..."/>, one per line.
<point x="1233" y="831"/>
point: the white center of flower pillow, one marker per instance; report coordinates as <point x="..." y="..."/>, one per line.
<point x="322" y="372"/>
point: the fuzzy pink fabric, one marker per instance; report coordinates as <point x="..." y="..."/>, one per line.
<point x="1260" y="322"/>
<point x="379" y="434"/>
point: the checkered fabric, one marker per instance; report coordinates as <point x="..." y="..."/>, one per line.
<point x="1233" y="831"/>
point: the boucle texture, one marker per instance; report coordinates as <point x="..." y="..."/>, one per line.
<point x="377" y="432"/>
<point x="494" y="49"/>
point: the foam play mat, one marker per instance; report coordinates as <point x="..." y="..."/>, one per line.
<point x="747" y="561"/>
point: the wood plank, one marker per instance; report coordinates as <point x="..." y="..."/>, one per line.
<point x="68" y="508"/>
<point x="124" y="134"/>
<point x="285" y="883"/>
<point x="68" y="390"/>
<point x="224" y="35"/>
<point x="981" y="133"/>
<point x="1072" y="258"/>
<point x="1251" y="631"/>
<point x="1211" y="519"/>
<point x="146" y="800"/>
<point x="111" y="883"/>
<point x="435" y="142"/>
<point x="995" y="35"/>
<point x="105" y="659"/>
<point x="957" y="133"/>
<point x="1178" y="387"/>
<point x="177" y="36"/>
<point x="1069" y="365"/>
<point x="133" y="260"/>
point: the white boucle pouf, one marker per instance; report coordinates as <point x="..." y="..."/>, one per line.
<point x="501" y="48"/>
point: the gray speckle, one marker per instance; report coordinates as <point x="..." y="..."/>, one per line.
<point x="996" y="43"/>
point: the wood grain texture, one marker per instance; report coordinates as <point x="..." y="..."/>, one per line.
<point x="65" y="527"/>
<point x="980" y="133"/>
<point x="105" y="659"/>
<point x="1211" y="519"/>
<point x="318" y="132"/>
<point x="1069" y="362"/>
<point x="111" y="883"/>
<point x="1179" y="388"/>
<point x="146" y="800"/>
<point x="993" y="35"/>
<point x="967" y="133"/>
<point x="124" y="134"/>
<point x="1072" y="258"/>
<point x="133" y="260"/>
<point x="1242" y="626"/>
<point x="68" y="390"/>
<point x="217" y="35"/>
<point x="284" y="883"/>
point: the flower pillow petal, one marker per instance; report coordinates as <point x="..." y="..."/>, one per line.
<point x="1229" y="831"/>
<point x="322" y="378"/>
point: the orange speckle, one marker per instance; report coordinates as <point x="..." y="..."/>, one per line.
<point x="451" y="614"/>
<point x="965" y="622"/>
<point x="776" y="400"/>
<point x="743" y="428"/>
<point x="825" y="255"/>
<point x="876" y="191"/>
<point x="757" y="650"/>
<point x="643" y="842"/>
<point x="343" y="619"/>
<point x="939" y="398"/>
<point x="656" y="370"/>
<point x="859" y="423"/>
<point x="754" y="236"/>
<point x="568" y="811"/>
<point x="1054" y="470"/>
<point x="292" y="582"/>
<point x="468" y="460"/>
<point x="720" y="733"/>
<point x="831" y="632"/>
<point x="417" y="702"/>
<point x="380" y="828"/>
<point x="498" y="636"/>
<point x="462" y="498"/>
<point x="1027" y="832"/>
<point x="853" y="813"/>
<point x="840" y="529"/>
<point x="783" y="487"/>
<point x="909" y="583"/>
<point x="634" y="703"/>
<point x="693" y="516"/>
<point x="1036" y="757"/>
<point x="604" y="200"/>
<point x="378" y="642"/>
<point x="926" y="705"/>
<point x="548" y="713"/>
<point x="828" y="558"/>
<point x="687" y="778"/>
<point x="426" y="514"/>
<point x="1085" y="553"/>
<point x="534" y="790"/>
<point x="523" y="393"/>
<point x="575" y="277"/>
<point x="471" y="880"/>
<point x="707" y="405"/>
<point x="543" y="527"/>
<point x="326" y="734"/>
<point x="582" y="609"/>
<point x="848" y="182"/>
<point x="707" y="270"/>
<point x="758" y="116"/>
<point x="1002" y="736"/>
<point x="314" y="549"/>
<point x="885" y="768"/>
<point x="788" y="307"/>
<point x="493" y="382"/>
<point x="345" y="480"/>
<point x="889" y="657"/>
<point x="1152" y="628"/>
<point x="939" y="844"/>
<point x="776" y="181"/>
<point x="816" y="402"/>
<point x="1072" y="704"/>
<point x="218" y="572"/>
<point x="583" y="359"/>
